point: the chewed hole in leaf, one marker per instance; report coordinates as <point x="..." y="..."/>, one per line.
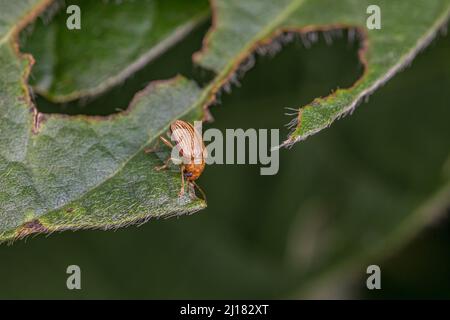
<point x="292" y="76"/>
<point x="52" y="65"/>
<point x="118" y="98"/>
<point x="303" y="68"/>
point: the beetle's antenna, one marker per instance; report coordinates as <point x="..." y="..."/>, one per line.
<point x="200" y="189"/>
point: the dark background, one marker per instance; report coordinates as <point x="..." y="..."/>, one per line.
<point x="254" y="238"/>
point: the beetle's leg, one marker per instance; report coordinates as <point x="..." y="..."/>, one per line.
<point x="182" y="181"/>
<point x="152" y="149"/>
<point x="199" y="189"/>
<point x="166" y="142"/>
<point x="155" y="147"/>
<point x="191" y="189"/>
<point x="166" y="164"/>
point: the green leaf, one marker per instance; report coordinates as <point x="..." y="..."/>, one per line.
<point x="61" y="172"/>
<point x="343" y="199"/>
<point x="241" y="27"/>
<point x="115" y="40"/>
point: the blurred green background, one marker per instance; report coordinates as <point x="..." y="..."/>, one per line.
<point x="343" y="199"/>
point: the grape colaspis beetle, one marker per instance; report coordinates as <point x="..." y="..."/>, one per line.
<point x="190" y="150"/>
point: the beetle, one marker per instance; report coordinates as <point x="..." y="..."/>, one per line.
<point x="190" y="147"/>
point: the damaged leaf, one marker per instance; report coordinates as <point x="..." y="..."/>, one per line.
<point x="115" y="40"/>
<point x="60" y="172"/>
<point x="242" y="28"/>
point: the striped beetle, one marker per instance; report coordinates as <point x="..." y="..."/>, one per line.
<point x="190" y="146"/>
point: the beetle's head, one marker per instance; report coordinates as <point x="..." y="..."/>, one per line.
<point x="187" y="174"/>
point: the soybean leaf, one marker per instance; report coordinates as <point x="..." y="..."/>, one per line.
<point x="57" y="171"/>
<point x="341" y="201"/>
<point x="241" y="27"/>
<point x="114" y="40"/>
<point x="62" y="172"/>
